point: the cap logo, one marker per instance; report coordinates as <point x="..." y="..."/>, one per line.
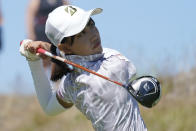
<point x="70" y="10"/>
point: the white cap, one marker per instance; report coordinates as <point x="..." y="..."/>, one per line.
<point x="67" y="20"/>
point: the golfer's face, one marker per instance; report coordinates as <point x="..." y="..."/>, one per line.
<point x="88" y="41"/>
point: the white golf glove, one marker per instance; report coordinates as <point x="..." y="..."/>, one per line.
<point x="29" y="56"/>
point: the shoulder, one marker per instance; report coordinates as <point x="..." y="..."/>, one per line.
<point x="116" y="62"/>
<point x="110" y="52"/>
<point x="114" y="54"/>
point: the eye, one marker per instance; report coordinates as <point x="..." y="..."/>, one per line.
<point x="78" y="35"/>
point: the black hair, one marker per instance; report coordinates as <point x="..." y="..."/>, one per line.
<point x="59" y="69"/>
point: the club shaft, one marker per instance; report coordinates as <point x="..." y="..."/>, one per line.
<point x="42" y="51"/>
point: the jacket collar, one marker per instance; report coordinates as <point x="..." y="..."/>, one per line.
<point x="90" y="60"/>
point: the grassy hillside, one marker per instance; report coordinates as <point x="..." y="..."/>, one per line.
<point x="175" y="112"/>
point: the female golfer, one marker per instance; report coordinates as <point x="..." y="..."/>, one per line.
<point x="108" y="106"/>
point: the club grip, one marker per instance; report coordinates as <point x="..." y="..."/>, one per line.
<point x="21" y="42"/>
<point x="40" y="50"/>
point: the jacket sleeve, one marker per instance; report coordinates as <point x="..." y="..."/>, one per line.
<point x="45" y="93"/>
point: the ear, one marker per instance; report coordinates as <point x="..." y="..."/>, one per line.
<point x="66" y="48"/>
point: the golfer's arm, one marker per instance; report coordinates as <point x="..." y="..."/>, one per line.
<point x="46" y="96"/>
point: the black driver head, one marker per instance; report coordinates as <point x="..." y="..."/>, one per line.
<point x="146" y="90"/>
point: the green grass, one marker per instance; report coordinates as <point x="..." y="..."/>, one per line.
<point x="168" y="115"/>
<point x="171" y="116"/>
<point x="176" y="111"/>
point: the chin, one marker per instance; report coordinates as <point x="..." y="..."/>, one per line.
<point x="99" y="50"/>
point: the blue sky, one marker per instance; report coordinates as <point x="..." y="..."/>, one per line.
<point x="153" y="34"/>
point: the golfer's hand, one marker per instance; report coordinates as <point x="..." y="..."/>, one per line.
<point x="29" y="48"/>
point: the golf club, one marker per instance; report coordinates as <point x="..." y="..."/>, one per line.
<point x="146" y="89"/>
